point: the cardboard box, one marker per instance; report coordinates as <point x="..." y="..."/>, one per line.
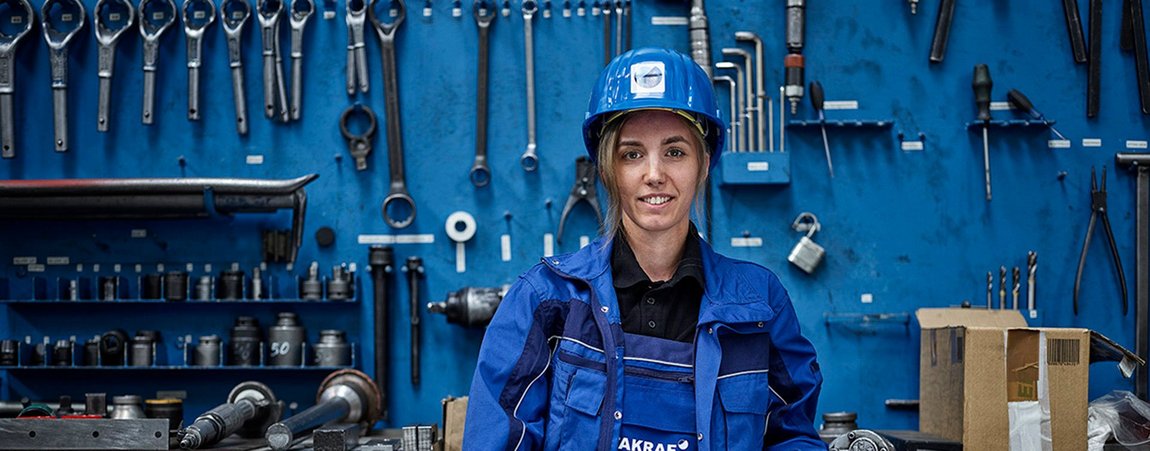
<point x="978" y="366"/>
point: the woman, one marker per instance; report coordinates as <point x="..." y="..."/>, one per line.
<point x="646" y="339"/>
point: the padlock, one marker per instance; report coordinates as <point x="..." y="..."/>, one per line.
<point x="807" y="254"/>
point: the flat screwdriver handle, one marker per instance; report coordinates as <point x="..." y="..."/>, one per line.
<point x="818" y="97"/>
<point x="941" y="31"/>
<point x="982" y="84"/>
<point x="1021" y="102"/>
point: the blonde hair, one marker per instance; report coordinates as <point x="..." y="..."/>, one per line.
<point x="609" y="141"/>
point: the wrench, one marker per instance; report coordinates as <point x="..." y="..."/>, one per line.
<point x="480" y="173"/>
<point x="110" y="20"/>
<point x="403" y="213"/>
<point x="233" y="15"/>
<point x="269" y="13"/>
<point x="17" y="12"/>
<point x="198" y="15"/>
<point x="61" y="21"/>
<point x="358" y="145"/>
<point x="301" y="11"/>
<point x="529" y="160"/>
<point x="156" y="16"/>
<point x="356" y="12"/>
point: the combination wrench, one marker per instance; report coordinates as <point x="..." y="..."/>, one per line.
<point x="356" y="16"/>
<point x="233" y="15"/>
<point x="156" y="16"/>
<point x="61" y="21"/>
<point x="275" y="95"/>
<point x="110" y="20"/>
<point x="480" y="173"/>
<point x="398" y="207"/>
<point x="198" y="15"/>
<point x="17" y="12"/>
<point x="529" y="160"/>
<point x="301" y="11"/>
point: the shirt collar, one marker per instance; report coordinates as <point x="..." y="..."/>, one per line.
<point x="627" y="273"/>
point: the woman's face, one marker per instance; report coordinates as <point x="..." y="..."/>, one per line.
<point x="657" y="168"/>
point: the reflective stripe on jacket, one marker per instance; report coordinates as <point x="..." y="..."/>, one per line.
<point x="550" y="371"/>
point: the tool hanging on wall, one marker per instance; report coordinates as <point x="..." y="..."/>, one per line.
<point x="529" y="160"/>
<point x="1094" y="60"/>
<point x="989" y="290"/>
<point x="1017" y="284"/>
<point x="470" y="306"/>
<point x="251" y="407"/>
<point x="414" y="270"/>
<point x="460" y="227"/>
<point x="1002" y="288"/>
<point x="197" y="15"/>
<point x="1098" y="209"/>
<point x="382" y="260"/>
<point x="269" y="13"/>
<point x="817" y="101"/>
<point x="358" y="144"/>
<point x="732" y="88"/>
<point x="480" y="174"/>
<point x="700" y="36"/>
<point x="747" y="116"/>
<point x="982" y="85"/>
<point x="18" y="11"/>
<point x="1031" y="282"/>
<point x="941" y="31"/>
<point x="233" y="15"/>
<point x="766" y="115"/>
<point x="398" y="207"/>
<point x="301" y="11"/>
<point x="1134" y="25"/>
<point x="110" y="19"/>
<point x="1140" y="163"/>
<point x="60" y="20"/>
<point x="1022" y="103"/>
<point x="345" y="396"/>
<point x="584" y="189"/>
<point x="355" y="14"/>
<point x="738" y="124"/>
<point x="794" y="63"/>
<point x="1074" y="30"/>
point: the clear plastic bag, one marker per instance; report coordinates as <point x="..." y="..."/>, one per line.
<point x="1123" y="414"/>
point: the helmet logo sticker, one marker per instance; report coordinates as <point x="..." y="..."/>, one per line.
<point x="648" y="78"/>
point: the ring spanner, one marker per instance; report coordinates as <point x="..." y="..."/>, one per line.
<point x="529" y="160"/>
<point x="398" y="206"/>
<point x="198" y="15"/>
<point x="156" y="16"/>
<point x="233" y="15"/>
<point x="18" y="11"/>
<point x="110" y="20"/>
<point x="301" y="11"/>
<point x="275" y="95"/>
<point x="61" y="20"/>
<point x="480" y="172"/>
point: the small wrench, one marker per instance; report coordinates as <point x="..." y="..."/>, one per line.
<point x="480" y="173"/>
<point x="110" y="20"/>
<point x="61" y="21"/>
<point x="269" y="13"/>
<point x="156" y="16"/>
<point x="17" y="12"/>
<point x="358" y="145"/>
<point x="529" y="160"/>
<point x="233" y="15"/>
<point x="301" y="11"/>
<point x="355" y="16"/>
<point x="398" y="206"/>
<point x="198" y="15"/>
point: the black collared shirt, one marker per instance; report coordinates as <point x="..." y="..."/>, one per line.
<point x="666" y="309"/>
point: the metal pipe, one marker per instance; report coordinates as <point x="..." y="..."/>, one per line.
<point x="738" y="94"/>
<point x="748" y="95"/>
<point x="346" y="396"/>
<point x="760" y="91"/>
<point x="382" y="261"/>
<point x="732" y="89"/>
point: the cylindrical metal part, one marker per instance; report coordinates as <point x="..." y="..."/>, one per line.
<point x="310" y="288"/>
<point x="203" y="290"/>
<point x="41" y="354"/>
<point x="339" y="287"/>
<point x="9" y="352"/>
<point x="382" y="261"/>
<point x="127" y="407"/>
<point x="142" y="347"/>
<point x="151" y="286"/>
<point x="246" y="338"/>
<point x="208" y="351"/>
<point x="65" y="406"/>
<point x="414" y="272"/>
<point x="170" y="408"/>
<point x="257" y="284"/>
<point x="92" y="352"/>
<point x="113" y="348"/>
<point x="109" y="288"/>
<point x="176" y="286"/>
<point x="332" y="349"/>
<point x="286" y="340"/>
<point x="231" y="285"/>
<point x="836" y="424"/>
<point x="281" y="435"/>
<point x="347" y="396"/>
<point x="96" y="404"/>
<point x="795" y="25"/>
<point x="700" y="36"/>
<point x="62" y="353"/>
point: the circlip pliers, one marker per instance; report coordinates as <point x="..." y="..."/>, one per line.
<point x="583" y="190"/>
<point x="1098" y="208"/>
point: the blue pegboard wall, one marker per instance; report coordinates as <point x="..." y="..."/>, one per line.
<point x="904" y="229"/>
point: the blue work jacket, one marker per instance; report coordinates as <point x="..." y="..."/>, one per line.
<point x="551" y="374"/>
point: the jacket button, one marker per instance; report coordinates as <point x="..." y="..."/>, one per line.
<point x="604" y="309"/>
<point x="760" y="324"/>
<point x="618" y="415"/>
<point x="700" y="436"/>
<point x="650" y="301"/>
<point x="710" y="330"/>
<point x="651" y="324"/>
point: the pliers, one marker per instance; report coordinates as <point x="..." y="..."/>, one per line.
<point x="584" y="189"/>
<point x="1098" y="208"/>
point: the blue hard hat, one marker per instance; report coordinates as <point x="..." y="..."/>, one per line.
<point x="654" y="78"/>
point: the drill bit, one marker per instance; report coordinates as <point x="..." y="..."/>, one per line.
<point x="1014" y="292"/>
<point x="989" y="290"/>
<point x="1032" y="270"/>
<point x="1002" y="287"/>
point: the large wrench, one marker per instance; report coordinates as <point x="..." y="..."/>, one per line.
<point x="355" y="16"/>
<point x="480" y="173"/>
<point x="398" y="206"/>
<point x="156" y="16"/>
<point x="301" y="11"/>
<point x="233" y="15"/>
<point x="61" y="21"/>
<point x="529" y="160"/>
<point x="198" y="15"/>
<point x="269" y="13"/>
<point x="17" y="12"/>
<point x="110" y="20"/>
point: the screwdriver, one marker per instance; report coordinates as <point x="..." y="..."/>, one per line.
<point x="982" y="84"/>
<point x="1019" y="101"/>
<point x="817" y="99"/>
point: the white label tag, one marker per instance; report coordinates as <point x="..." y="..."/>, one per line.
<point x="909" y="146"/>
<point x="139" y="233"/>
<point x="584" y="241"/>
<point x="58" y="261"/>
<point x="19" y="261"/>
<point x="1135" y="144"/>
<point x="647" y="78"/>
<point x="758" y="166"/>
<point x="139" y="268"/>
<point x="1092" y="142"/>
<point x="668" y="20"/>
<point x="505" y="247"/>
<point x="548" y="244"/>
<point x="254" y="159"/>
<point x="116" y="267"/>
<point x="999" y="106"/>
<point x="1058" y="144"/>
<point x="95" y="267"/>
<point x="841" y="105"/>
<point x="867" y="298"/>
<point x="747" y="242"/>
<point x="423" y="238"/>
<point x="35" y="268"/>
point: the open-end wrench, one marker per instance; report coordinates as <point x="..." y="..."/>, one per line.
<point x="301" y="11"/>
<point x="529" y="160"/>
<point x="61" y="20"/>
<point x="233" y="15"/>
<point x="156" y="16"/>
<point x="480" y="173"/>
<point x="110" y="20"/>
<point x="18" y="12"/>
<point x="269" y="12"/>
<point x="398" y="206"/>
<point x="198" y="15"/>
<point x="355" y="16"/>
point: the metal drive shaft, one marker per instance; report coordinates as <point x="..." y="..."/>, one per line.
<point x="345" y="396"/>
<point x="382" y="261"/>
<point x="251" y="407"/>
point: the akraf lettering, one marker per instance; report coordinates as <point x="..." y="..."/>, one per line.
<point x="634" y="444"/>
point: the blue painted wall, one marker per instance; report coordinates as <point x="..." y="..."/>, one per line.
<point x="910" y="228"/>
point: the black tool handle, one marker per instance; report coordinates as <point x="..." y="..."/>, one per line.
<point x="1094" y="67"/>
<point x="1074" y="30"/>
<point x="1141" y="61"/>
<point x="982" y="85"/>
<point x="1022" y="103"/>
<point x="382" y="260"/>
<point x="817" y="96"/>
<point x="941" y="31"/>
